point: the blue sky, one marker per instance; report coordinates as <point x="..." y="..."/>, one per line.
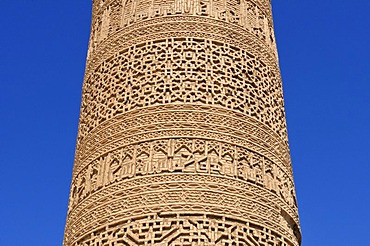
<point x="324" y="57"/>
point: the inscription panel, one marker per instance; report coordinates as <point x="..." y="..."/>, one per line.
<point x="110" y="16"/>
<point x="185" y="155"/>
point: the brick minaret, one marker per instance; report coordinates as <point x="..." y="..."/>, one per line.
<point x="182" y="135"/>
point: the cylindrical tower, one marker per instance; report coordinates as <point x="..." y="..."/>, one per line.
<point x="182" y="136"/>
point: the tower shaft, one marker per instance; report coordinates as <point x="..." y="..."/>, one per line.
<point x="182" y="135"/>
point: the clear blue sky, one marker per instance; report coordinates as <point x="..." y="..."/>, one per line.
<point x="325" y="63"/>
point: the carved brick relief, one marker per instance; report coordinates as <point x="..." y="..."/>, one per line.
<point x="177" y="193"/>
<point x="183" y="230"/>
<point x="183" y="70"/>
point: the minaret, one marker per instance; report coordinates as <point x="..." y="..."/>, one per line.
<point x="182" y="135"/>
